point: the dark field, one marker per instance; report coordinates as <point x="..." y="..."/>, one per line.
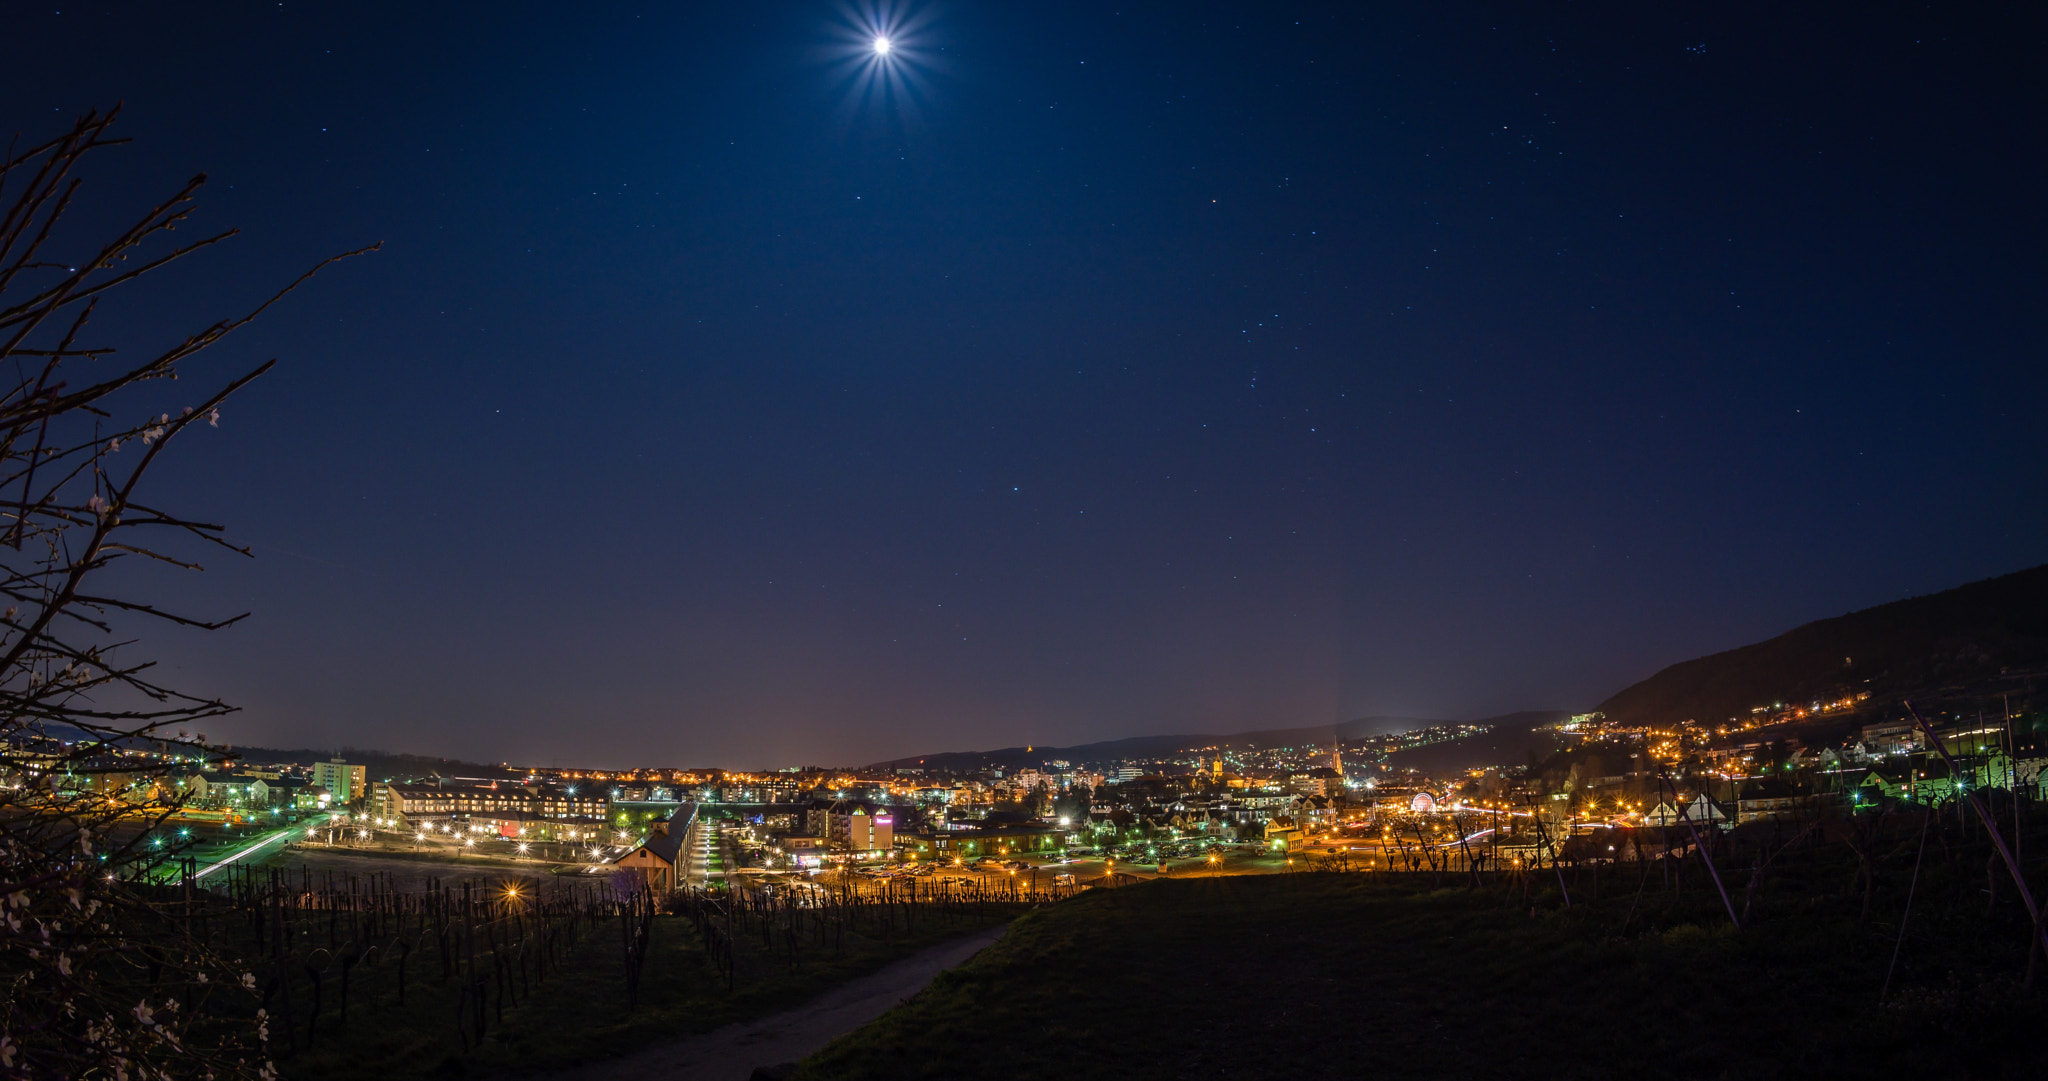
<point x="1328" y="975"/>
<point x="413" y="873"/>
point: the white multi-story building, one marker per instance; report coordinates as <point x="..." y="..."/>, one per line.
<point x="344" y="781"/>
<point x="425" y="800"/>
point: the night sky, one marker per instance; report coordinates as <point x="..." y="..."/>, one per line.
<point x="723" y="396"/>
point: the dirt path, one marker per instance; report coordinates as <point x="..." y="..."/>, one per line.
<point x="731" y="1053"/>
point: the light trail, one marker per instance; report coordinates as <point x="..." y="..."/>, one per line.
<point x="280" y="835"/>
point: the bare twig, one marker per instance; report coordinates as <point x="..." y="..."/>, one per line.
<point x="78" y="790"/>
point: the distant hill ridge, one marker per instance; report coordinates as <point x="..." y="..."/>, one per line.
<point x="1512" y="739"/>
<point x="1141" y="747"/>
<point x="1969" y="635"/>
<point x="1962" y="636"/>
<point x="379" y="765"/>
<point x="1972" y="634"/>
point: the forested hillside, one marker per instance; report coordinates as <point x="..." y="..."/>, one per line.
<point x="1922" y="645"/>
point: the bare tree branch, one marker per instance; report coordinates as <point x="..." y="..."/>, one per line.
<point x="88" y="738"/>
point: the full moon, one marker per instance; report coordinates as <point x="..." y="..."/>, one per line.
<point x="881" y="46"/>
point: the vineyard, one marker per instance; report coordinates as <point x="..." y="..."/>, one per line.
<point x="476" y="978"/>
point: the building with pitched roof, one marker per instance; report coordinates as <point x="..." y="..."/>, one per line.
<point x="660" y="858"/>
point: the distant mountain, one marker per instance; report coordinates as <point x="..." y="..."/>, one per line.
<point x="379" y="765"/>
<point x="1145" y="747"/>
<point x="1920" y="646"/>
<point x="1514" y="739"/>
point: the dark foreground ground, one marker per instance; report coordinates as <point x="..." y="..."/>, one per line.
<point x="581" y="1014"/>
<point x="1328" y="975"/>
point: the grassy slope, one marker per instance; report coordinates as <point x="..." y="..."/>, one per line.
<point x="1309" y="976"/>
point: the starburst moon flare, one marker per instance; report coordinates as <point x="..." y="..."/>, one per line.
<point x="883" y="53"/>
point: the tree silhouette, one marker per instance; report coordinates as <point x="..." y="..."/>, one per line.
<point x="104" y="975"/>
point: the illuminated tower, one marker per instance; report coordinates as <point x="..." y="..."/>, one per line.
<point x="1337" y="759"/>
<point x="1216" y="771"/>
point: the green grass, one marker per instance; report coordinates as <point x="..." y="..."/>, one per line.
<point x="579" y="1015"/>
<point x="1327" y="975"/>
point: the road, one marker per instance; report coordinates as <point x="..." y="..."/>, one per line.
<point x="696" y="853"/>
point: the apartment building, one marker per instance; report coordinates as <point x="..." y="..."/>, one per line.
<point x="345" y="782"/>
<point x="425" y="799"/>
<point x="851" y="825"/>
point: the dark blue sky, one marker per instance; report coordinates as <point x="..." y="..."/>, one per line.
<point x="1106" y="371"/>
